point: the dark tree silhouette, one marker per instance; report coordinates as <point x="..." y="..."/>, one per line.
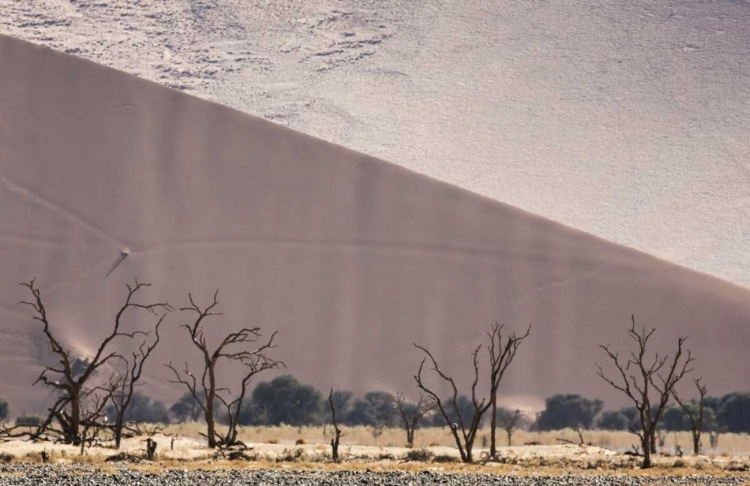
<point x="648" y="382"/>
<point x="502" y="351"/>
<point x="3" y="409"/>
<point x="695" y="413"/>
<point x="508" y="421"/>
<point x="186" y="409"/>
<point x="70" y="378"/>
<point x="337" y="432"/>
<point x="463" y="433"/>
<point x="412" y="413"/>
<point x="124" y="386"/>
<point x="568" y="411"/>
<point x="232" y="348"/>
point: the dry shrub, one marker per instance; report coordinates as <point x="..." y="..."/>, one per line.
<point x="240" y="455"/>
<point x="295" y="455"/>
<point x="124" y="457"/>
<point x="36" y="457"/>
<point x="86" y="459"/>
<point x="6" y="457"/>
<point x="736" y="466"/>
<point x="438" y="436"/>
<point x="419" y="455"/>
<point x="272" y="441"/>
<point x="300" y="441"/>
<point x="445" y="458"/>
<point x="679" y="463"/>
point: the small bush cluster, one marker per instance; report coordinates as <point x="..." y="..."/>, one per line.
<point x="419" y="455"/>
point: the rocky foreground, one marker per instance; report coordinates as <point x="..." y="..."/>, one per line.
<point x="25" y="474"/>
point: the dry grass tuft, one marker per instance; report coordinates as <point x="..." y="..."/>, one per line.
<point x="445" y="459"/>
<point x="419" y="455"/>
<point x="307" y="448"/>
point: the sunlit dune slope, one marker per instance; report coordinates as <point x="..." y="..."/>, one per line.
<point x="349" y="257"/>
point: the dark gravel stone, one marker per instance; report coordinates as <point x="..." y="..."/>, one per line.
<point x="68" y="475"/>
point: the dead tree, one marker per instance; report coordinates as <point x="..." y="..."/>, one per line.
<point x="124" y="386"/>
<point x="463" y="433"/>
<point x="647" y="381"/>
<point x="66" y="379"/>
<point x="501" y="353"/>
<point x="234" y="407"/>
<point x="232" y="348"/>
<point x="581" y="440"/>
<point x="91" y="422"/>
<point x="337" y="432"/>
<point x="695" y="416"/>
<point x="150" y="449"/>
<point x="411" y="413"/>
<point x="509" y="421"/>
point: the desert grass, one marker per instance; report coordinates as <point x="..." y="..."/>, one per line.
<point x="536" y="466"/>
<point x="731" y="444"/>
<point x="307" y="448"/>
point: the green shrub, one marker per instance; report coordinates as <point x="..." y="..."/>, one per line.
<point x="29" y="420"/>
<point x="3" y="409"/>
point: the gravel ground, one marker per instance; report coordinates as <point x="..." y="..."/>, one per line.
<point x="23" y="474"/>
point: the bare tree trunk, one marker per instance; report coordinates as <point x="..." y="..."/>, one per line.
<point x="493" y="425"/>
<point x="469" y="450"/>
<point x="652" y="442"/>
<point x="118" y="430"/>
<point x="210" y="421"/>
<point x="337" y="432"/>
<point x="409" y="436"/>
<point x="150" y="449"/>
<point x="75" y="417"/>
<point x="646" y="446"/>
<point x="696" y="442"/>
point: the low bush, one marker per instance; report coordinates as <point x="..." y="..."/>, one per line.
<point x="29" y="420"/>
<point x="419" y="455"/>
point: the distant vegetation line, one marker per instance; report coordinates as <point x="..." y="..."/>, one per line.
<point x="286" y="401"/>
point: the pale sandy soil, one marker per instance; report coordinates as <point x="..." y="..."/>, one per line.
<point x="624" y="119"/>
<point x="279" y="446"/>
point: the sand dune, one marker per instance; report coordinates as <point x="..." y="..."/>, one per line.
<point x="351" y="258"/>
<point x="625" y="119"/>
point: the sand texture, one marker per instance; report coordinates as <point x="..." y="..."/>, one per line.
<point x="626" y="119"/>
<point x="349" y="257"/>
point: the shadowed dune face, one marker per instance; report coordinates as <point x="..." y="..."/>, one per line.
<point x="350" y="258"/>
